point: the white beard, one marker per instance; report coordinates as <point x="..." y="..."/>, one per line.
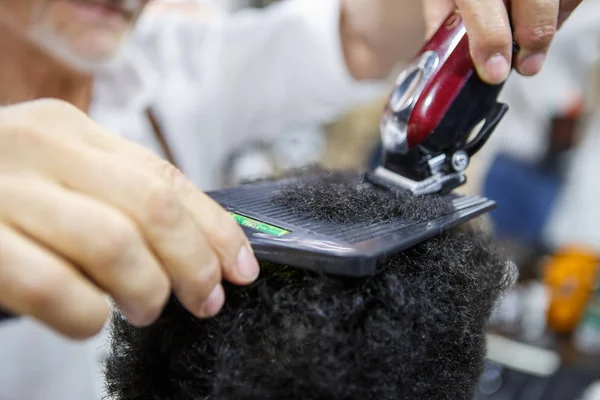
<point x="58" y="48"/>
<point x="43" y="35"/>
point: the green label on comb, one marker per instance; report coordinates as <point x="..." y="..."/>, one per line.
<point x="258" y="225"/>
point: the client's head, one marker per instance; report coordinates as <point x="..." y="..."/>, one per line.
<point x="414" y="330"/>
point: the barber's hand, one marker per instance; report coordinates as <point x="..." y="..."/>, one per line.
<point x="534" y="25"/>
<point x="84" y="214"/>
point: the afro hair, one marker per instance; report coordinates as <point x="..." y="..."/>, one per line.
<point x="413" y="331"/>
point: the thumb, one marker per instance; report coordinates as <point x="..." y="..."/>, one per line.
<point x="434" y="13"/>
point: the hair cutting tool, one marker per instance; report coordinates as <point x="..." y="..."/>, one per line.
<point x="439" y="114"/>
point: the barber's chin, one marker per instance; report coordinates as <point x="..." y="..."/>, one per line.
<point x="83" y="56"/>
<point x="100" y="49"/>
<point x="89" y="62"/>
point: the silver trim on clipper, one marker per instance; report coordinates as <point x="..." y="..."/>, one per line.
<point x="407" y="91"/>
<point x="432" y="184"/>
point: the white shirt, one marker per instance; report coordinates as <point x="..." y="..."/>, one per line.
<point x="217" y="84"/>
<point x="213" y="85"/>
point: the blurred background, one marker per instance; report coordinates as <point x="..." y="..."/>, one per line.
<point x="542" y="167"/>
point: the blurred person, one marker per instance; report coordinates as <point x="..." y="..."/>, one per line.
<point x="93" y="124"/>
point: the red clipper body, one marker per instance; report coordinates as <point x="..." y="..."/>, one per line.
<point x="433" y="111"/>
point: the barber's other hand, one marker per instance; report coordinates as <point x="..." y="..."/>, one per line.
<point x="84" y="213"/>
<point x="534" y="25"/>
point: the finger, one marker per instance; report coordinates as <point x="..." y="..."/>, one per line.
<point x="435" y="11"/>
<point x="35" y="282"/>
<point x="189" y="259"/>
<point x="104" y="243"/>
<point x="534" y="26"/>
<point x="224" y="235"/>
<point x="490" y="37"/>
<point x="174" y="236"/>
<point x="565" y="10"/>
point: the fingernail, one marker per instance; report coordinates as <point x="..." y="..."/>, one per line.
<point x="136" y="315"/>
<point x="496" y="69"/>
<point x="531" y="64"/>
<point x="212" y="305"/>
<point x="246" y="264"/>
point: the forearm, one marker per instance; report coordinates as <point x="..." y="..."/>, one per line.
<point x="378" y="34"/>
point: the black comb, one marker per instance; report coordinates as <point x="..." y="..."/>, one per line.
<point x="280" y="235"/>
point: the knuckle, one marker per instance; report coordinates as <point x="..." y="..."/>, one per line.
<point x="167" y="171"/>
<point x="163" y="207"/>
<point x="198" y="286"/>
<point x="209" y="274"/>
<point x="114" y="246"/>
<point x="538" y="37"/>
<point x="174" y="178"/>
<point x="486" y="35"/>
<point x="143" y="298"/>
<point x="151" y="293"/>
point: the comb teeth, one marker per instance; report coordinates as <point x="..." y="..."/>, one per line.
<point x="255" y="201"/>
<point x="342" y="249"/>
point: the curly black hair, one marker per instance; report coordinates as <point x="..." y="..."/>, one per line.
<point x="415" y="330"/>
